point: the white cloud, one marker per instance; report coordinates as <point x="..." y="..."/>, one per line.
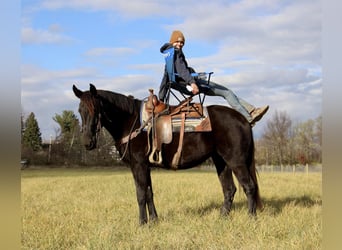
<point x="48" y="92"/>
<point x="53" y="35"/>
<point x="130" y="9"/>
<point x="263" y="31"/>
<point x="267" y="51"/>
<point x="112" y="52"/>
<point x="34" y="76"/>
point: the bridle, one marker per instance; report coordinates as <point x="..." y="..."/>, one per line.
<point x="99" y="112"/>
<point x="98" y="127"/>
<point x="94" y="107"/>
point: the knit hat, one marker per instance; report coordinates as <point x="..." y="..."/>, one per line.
<point x="177" y="35"/>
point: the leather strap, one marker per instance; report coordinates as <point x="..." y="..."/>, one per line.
<point x="177" y="155"/>
<point x="129" y="137"/>
<point x="135" y="133"/>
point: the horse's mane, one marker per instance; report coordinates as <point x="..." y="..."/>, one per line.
<point x="120" y="101"/>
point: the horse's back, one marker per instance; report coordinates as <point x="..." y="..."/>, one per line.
<point x="226" y="119"/>
<point x="231" y="132"/>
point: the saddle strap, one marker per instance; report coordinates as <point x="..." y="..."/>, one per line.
<point x="178" y="109"/>
<point x="135" y="133"/>
<point x="176" y="157"/>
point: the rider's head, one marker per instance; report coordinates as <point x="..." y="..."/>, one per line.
<point x="177" y="39"/>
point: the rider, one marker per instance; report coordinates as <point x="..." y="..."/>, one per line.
<point x="197" y="85"/>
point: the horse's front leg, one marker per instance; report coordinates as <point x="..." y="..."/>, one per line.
<point x="141" y="198"/>
<point x="149" y="199"/>
<point x="143" y="185"/>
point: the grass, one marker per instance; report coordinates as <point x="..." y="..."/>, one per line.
<point x="97" y="209"/>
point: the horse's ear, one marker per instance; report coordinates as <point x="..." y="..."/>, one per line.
<point x="93" y="90"/>
<point x="77" y="92"/>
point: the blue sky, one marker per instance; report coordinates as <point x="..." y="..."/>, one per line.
<point x="267" y="52"/>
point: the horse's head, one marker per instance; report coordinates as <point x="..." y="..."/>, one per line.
<point x="89" y="110"/>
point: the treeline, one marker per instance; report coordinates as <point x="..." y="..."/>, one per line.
<point x="282" y="143"/>
<point x="66" y="149"/>
<point x="285" y="143"/>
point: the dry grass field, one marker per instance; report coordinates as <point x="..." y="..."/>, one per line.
<point x="97" y="209"/>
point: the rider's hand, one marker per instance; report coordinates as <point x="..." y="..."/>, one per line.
<point x="194" y="88"/>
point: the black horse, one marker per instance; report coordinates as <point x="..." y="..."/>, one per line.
<point x="230" y="145"/>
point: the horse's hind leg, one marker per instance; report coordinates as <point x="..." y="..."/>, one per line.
<point x="249" y="187"/>
<point x="229" y="189"/>
<point x="227" y="183"/>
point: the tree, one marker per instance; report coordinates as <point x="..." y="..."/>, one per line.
<point x="31" y="136"/>
<point x="69" y="137"/>
<point x="69" y="149"/>
<point x="69" y="126"/>
<point x="68" y="122"/>
<point x="283" y="143"/>
<point x="22" y="127"/>
<point x="276" y="136"/>
<point x="308" y="141"/>
<point x="304" y="141"/>
<point x="318" y="138"/>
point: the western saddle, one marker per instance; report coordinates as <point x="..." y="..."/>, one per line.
<point x="165" y="119"/>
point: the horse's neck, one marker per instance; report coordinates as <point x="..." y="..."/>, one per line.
<point x="119" y="125"/>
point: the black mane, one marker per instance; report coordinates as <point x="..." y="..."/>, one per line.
<point x="120" y="101"/>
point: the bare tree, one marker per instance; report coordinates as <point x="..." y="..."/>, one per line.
<point x="276" y="136"/>
<point x="283" y="143"/>
<point x="307" y="141"/>
<point x="304" y="141"/>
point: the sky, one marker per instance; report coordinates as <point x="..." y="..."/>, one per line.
<point x="268" y="52"/>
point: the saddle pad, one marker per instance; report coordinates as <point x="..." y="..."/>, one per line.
<point x="143" y="114"/>
<point x="192" y="124"/>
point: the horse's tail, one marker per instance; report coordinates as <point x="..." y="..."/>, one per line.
<point x="253" y="172"/>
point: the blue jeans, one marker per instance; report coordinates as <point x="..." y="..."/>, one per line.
<point x="214" y="89"/>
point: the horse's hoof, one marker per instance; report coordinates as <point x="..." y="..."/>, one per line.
<point x="225" y="211"/>
<point x="154" y="220"/>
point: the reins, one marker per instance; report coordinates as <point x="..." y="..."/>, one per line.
<point x="98" y="127"/>
<point x="129" y="137"/>
<point x="132" y="134"/>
